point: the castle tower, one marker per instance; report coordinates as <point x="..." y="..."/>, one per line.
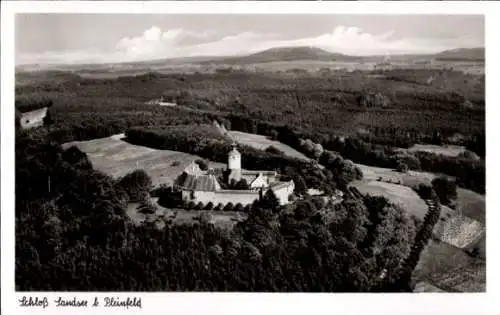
<point x="234" y="164"/>
<point x="234" y="159"/>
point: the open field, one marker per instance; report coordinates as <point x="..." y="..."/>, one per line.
<point x="224" y="219"/>
<point x="444" y="265"/>
<point x="447" y="150"/>
<point x="450" y="269"/>
<point x="472" y="204"/>
<point x="116" y="158"/>
<point x="410" y="179"/>
<point x="262" y="142"/>
<point x="402" y="195"/>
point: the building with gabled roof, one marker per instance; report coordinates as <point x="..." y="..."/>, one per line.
<point x="200" y="186"/>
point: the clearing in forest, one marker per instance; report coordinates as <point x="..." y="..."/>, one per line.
<point x="262" y="142"/>
<point x="447" y="150"/>
<point x="115" y="157"/>
<point x="223" y="219"/>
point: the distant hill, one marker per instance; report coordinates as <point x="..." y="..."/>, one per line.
<point x="284" y="54"/>
<point x="462" y="54"/>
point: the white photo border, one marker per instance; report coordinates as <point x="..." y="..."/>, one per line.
<point x="258" y="303"/>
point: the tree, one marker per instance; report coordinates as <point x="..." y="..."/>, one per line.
<point x="137" y="184"/>
<point x="269" y="200"/>
<point x="300" y="184"/>
<point x="402" y="167"/>
<point x="242" y="184"/>
<point x="239" y="207"/>
<point x="75" y="156"/>
<point x="199" y="206"/>
<point x="273" y="134"/>
<point x="203" y="165"/>
<point x="446" y="189"/>
<point x="317" y="150"/>
<point x="209" y="206"/>
<point x="190" y="205"/>
<point x="232" y="183"/>
<point x="228" y="207"/>
<point x="273" y="150"/>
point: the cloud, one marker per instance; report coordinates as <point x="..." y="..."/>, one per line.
<point x="155" y="43"/>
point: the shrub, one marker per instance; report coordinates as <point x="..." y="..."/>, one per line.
<point x="238" y="207"/>
<point x="242" y="184"/>
<point x="190" y="205"/>
<point x="273" y="150"/>
<point x="229" y="207"/>
<point x="203" y="165"/>
<point x="219" y="207"/>
<point x="209" y="206"/>
<point x="402" y="167"/>
<point x="199" y="206"/>
<point x="137" y="184"/>
<point x="425" y="191"/>
<point x="169" y="198"/>
<point x="446" y="189"/>
<point x="233" y="183"/>
<point x="247" y="208"/>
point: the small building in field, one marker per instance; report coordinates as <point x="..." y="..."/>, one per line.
<point x="32" y="116"/>
<point x="200" y="186"/>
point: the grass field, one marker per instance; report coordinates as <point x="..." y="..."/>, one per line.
<point x="410" y="179"/>
<point x="450" y="269"/>
<point x="223" y="219"/>
<point x="472" y="204"/>
<point x="444" y="265"/>
<point x="402" y="195"/>
<point x="447" y="150"/>
<point x="116" y="158"/>
<point x="262" y="142"/>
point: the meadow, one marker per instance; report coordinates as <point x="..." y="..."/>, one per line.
<point x="262" y="143"/>
<point x="116" y="157"/>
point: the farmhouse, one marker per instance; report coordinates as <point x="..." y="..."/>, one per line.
<point x="198" y="186"/>
<point x="32" y="115"/>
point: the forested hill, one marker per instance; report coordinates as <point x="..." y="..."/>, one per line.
<point x="283" y="54"/>
<point x="462" y="54"/>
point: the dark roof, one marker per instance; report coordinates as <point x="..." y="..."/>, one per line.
<point x="199" y="183"/>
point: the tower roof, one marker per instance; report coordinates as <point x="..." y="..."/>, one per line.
<point x="234" y="151"/>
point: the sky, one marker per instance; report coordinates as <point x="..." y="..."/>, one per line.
<point x="98" y="38"/>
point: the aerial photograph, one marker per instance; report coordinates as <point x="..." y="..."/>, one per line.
<point x="250" y="153"/>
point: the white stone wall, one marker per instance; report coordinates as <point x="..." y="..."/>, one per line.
<point x="224" y="197"/>
<point x="283" y="193"/>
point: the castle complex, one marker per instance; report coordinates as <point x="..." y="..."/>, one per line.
<point x="198" y="186"/>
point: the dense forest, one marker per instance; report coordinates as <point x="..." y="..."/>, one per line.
<point x="72" y="232"/>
